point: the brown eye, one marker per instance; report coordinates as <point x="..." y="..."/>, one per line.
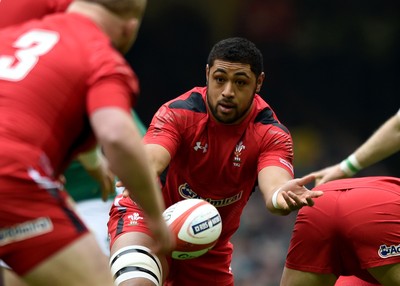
<point x="219" y="79"/>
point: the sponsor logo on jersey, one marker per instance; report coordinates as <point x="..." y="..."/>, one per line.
<point x="187" y="193"/>
<point x="287" y="164"/>
<point x="198" y="146"/>
<point x="386" y="251"/>
<point x="238" y="152"/>
<point x="25" y="230"/>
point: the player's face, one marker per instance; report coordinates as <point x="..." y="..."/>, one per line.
<point x="230" y="90"/>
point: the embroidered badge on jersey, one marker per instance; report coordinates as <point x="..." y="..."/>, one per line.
<point x="238" y="152"/>
<point x="134" y="218"/>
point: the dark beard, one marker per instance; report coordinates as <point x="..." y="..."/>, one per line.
<point x="213" y="111"/>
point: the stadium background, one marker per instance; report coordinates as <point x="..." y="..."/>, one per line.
<point x="332" y="75"/>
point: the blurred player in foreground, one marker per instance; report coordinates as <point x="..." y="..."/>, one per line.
<point x="219" y="142"/>
<point x="88" y="179"/>
<point x="54" y="91"/>
<point x="353" y="229"/>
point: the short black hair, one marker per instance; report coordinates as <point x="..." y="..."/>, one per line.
<point x="237" y="50"/>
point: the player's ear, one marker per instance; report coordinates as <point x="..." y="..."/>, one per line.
<point x="207" y="72"/>
<point x="128" y="34"/>
<point x="131" y="27"/>
<point x="260" y="81"/>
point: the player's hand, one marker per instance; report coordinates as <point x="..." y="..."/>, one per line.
<point x="121" y="189"/>
<point x="62" y="179"/>
<point x="105" y="178"/>
<point x="107" y="185"/>
<point x="124" y="191"/>
<point x="328" y="174"/>
<point x="294" y="195"/>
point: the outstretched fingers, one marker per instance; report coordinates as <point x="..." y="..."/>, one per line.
<point x="299" y="196"/>
<point x="293" y="201"/>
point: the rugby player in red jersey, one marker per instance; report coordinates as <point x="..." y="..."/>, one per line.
<point x="58" y="98"/>
<point x="219" y="142"/>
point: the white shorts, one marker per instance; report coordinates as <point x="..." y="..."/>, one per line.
<point x="3" y="265"/>
<point x="95" y="214"/>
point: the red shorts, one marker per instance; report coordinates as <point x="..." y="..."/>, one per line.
<point x="125" y="216"/>
<point x="213" y="268"/>
<point x="35" y="223"/>
<point x="354" y="226"/>
<point x="353" y="281"/>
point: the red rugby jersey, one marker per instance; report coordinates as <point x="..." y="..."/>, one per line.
<point x="18" y="11"/>
<point x="53" y="73"/>
<point x="218" y="162"/>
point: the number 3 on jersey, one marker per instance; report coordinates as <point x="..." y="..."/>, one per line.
<point x="30" y="46"/>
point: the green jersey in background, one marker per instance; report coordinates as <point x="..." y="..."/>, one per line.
<point x="80" y="185"/>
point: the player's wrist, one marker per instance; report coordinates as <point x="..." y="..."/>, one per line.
<point x="275" y="199"/>
<point x="350" y="166"/>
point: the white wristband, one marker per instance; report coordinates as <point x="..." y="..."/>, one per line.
<point x="353" y="160"/>
<point x="350" y="165"/>
<point x="275" y="199"/>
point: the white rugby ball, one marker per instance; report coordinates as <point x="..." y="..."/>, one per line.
<point x="197" y="226"/>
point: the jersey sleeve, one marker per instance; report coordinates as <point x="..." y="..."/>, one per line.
<point x="164" y="130"/>
<point x="110" y="92"/>
<point x="276" y="150"/>
<point x="112" y="83"/>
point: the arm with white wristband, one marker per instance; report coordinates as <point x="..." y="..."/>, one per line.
<point x="292" y="196"/>
<point x="282" y="194"/>
<point x="385" y="141"/>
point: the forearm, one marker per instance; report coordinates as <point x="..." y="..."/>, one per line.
<point x="282" y="193"/>
<point x="291" y="196"/>
<point x="131" y="165"/>
<point x="383" y="143"/>
<point x="122" y="146"/>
